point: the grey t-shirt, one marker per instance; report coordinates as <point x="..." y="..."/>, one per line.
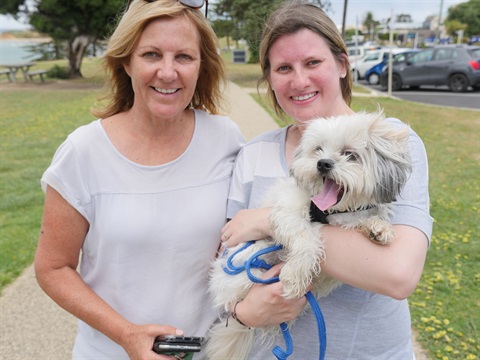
<point x="360" y="324"/>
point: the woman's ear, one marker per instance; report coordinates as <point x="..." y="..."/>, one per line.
<point x="344" y="65"/>
<point x="126" y="67"/>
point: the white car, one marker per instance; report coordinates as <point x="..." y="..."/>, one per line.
<point x="371" y="59"/>
<point x="358" y="51"/>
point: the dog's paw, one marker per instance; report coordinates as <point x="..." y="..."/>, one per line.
<point x="378" y="231"/>
<point x="295" y="281"/>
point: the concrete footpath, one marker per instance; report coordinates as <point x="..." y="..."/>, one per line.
<point x="33" y="327"/>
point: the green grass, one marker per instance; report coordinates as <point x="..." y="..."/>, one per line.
<point x="445" y="307"/>
<point x="33" y="124"/>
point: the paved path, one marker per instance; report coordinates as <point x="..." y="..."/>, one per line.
<point x="33" y="327"/>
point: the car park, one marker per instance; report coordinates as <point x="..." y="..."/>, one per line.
<point x="457" y="67"/>
<point x="373" y="57"/>
<point x="372" y="75"/>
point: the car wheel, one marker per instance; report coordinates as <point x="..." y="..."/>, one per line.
<point x="373" y="79"/>
<point x="458" y="83"/>
<point x="396" y="82"/>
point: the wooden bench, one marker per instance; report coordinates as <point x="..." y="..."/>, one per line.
<point x="6" y="72"/>
<point x="31" y="74"/>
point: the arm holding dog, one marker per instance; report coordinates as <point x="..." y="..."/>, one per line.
<point x="264" y="305"/>
<point x="248" y="224"/>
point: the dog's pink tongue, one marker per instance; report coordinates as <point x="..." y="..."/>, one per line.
<point x="328" y="197"/>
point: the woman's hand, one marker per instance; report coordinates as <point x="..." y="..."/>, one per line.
<point x="251" y="224"/>
<point x="264" y="305"/>
<point x="137" y="340"/>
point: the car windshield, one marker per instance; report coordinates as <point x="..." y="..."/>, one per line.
<point x="475" y="53"/>
<point x="403" y="56"/>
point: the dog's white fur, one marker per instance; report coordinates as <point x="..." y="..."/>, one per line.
<point x="368" y="158"/>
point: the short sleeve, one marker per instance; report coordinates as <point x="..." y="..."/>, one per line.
<point x="413" y="205"/>
<point x="66" y="176"/>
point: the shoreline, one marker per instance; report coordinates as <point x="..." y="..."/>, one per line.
<point x="23" y="39"/>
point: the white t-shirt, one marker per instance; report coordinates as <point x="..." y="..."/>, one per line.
<point x="360" y="324"/>
<point x="153" y="229"/>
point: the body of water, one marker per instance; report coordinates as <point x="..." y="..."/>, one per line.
<point x="16" y="51"/>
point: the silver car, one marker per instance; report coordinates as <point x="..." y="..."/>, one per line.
<point x="458" y="67"/>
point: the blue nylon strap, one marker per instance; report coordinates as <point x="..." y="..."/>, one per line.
<point x="279" y="353"/>
<point x="232" y="269"/>
<point x="255" y="263"/>
<point x="322" y="330"/>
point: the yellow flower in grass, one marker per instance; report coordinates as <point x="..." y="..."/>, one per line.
<point x="471" y="357"/>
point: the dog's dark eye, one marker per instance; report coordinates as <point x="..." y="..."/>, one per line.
<point x="319" y="148"/>
<point x="351" y="156"/>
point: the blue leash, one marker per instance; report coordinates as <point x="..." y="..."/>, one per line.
<point x="255" y="263"/>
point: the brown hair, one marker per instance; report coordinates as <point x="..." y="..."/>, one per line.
<point x="291" y="17"/>
<point x="207" y="95"/>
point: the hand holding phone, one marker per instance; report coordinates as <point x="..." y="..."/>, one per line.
<point x="172" y="344"/>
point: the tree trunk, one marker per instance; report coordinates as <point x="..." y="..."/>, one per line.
<point x="76" y="49"/>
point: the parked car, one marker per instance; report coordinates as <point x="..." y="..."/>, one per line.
<point x="457" y="66"/>
<point x="358" y="51"/>
<point x="372" y="75"/>
<point x="360" y="66"/>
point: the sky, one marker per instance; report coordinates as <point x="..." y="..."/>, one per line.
<point x="8" y="23"/>
<point x="382" y="9"/>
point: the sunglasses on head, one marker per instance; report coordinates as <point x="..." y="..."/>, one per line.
<point x="194" y="4"/>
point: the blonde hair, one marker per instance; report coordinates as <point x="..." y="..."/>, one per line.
<point x="291" y="17"/>
<point x="207" y="95"/>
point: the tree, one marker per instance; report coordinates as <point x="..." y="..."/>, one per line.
<point x="248" y="17"/>
<point x="454" y="26"/>
<point x="466" y="13"/>
<point x="370" y="23"/>
<point x="13" y="7"/>
<point x="79" y="23"/>
<point x="223" y="24"/>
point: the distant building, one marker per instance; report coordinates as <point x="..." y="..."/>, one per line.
<point x="409" y="33"/>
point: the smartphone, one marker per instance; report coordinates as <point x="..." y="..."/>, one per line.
<point x="171" y="344"/>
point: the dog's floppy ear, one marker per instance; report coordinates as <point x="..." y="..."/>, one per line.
<point x="389" y="144"/>
<point x="296" y="155"/>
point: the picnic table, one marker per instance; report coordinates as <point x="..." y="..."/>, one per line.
<point x="24" y="68"/>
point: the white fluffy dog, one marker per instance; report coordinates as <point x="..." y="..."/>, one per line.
<point x="351" y="168"/>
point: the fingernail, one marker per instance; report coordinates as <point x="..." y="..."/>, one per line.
<point x="179" y="332"/>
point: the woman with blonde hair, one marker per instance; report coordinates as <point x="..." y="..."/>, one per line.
<point x="136" y="199"/>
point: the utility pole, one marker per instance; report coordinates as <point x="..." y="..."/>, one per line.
<point x="355" y="74"/>
<point x="390" y="55"/>
<point x="437" y="33"/>
<point x="344" y="18"/>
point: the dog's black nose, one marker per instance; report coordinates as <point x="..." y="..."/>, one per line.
<point x="324" y="165"/>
